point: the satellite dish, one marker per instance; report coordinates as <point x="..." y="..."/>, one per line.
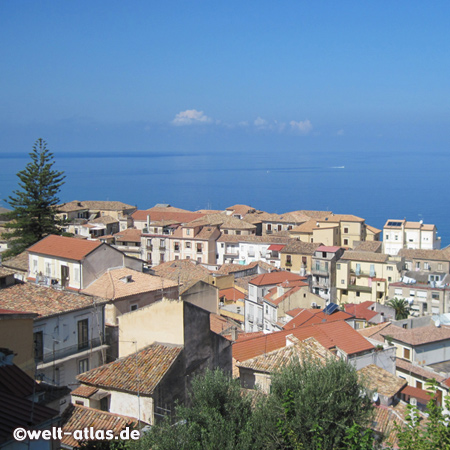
<point x="375" y="397"/>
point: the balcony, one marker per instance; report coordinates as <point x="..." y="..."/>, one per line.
<point x="320" y="271"/>
<point x="288" y="264"/>
<point x="176" y="249"/>
<point x="149" y="248"/>
<point x="199" y="250"/>
<point x="68" y="351"/>
<point x="162" y="248"/>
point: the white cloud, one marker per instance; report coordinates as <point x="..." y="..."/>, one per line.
<point x="302" y="127"/>
<point x="191" y="117"/>
<point x="340" y="133"/>
<point x="260" y="122"/>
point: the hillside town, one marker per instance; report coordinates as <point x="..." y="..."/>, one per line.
<point x="106" y="325"/>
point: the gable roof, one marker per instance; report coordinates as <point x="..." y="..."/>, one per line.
<point x="310" y="316"/>
<point x="18" y="262"/>
<point x="128" y="235"/>
<point x="159" y="214"/>
<point x="378" y="379"/>
<point x="77" y="417"/>
<point x="335" y="334"/>
<point x="302" y="248"/>
<point x="123" y="282"/>
<point x="232" y="294"/>
<point x="269" y="278"/>
<point x="361" y="310"/>
<point x="273" y="361"/>
<point x="44" y="301"/>
<point x="352" y="255"/>
<point x="106" y="205"/>
<point x="368" y="246"/>
<point x="417" y="336"/>
<point x="152" y="363"/>
<point x="435" y="255"/>
<point x="64" y="247"/>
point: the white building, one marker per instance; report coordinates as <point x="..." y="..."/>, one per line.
<point x="400" y="234"/>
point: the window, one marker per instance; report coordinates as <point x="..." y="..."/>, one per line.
<point x="279" y="227"/>
<point x="133" y="307"/>
<point x="269" y="227"/>
<point x="238" y="232"/>
<point x="225" y="231"/>
<point x="76" y="274"/>
<point x="426" y="266"/>
<point x="83" y="334"/>
<point x="425" y="307"/>
<point x="176" y="246"/>
<point x="199" y="259"/>
<point x="390" y="268"/>
<point x="439" y="266"/>
<point x="417" y="265"/>
<point x="288" y="259"/>
<point x="338" y="266"/>
<point x="342" y="281"/>
<point x="419" y="384"/>
<point x="396" y="237"/>
<point x="387" y="237"/>
<point x="389" y="279"/>
<point x="358" y="294"/>
<point x="162" y="243"/>
<point x="267" y="309"/>
<point x="38" y="338"/>
<point x="83" y="365"/>
<point x="161" y="257"/>
<point x="35" y="265"/>
<point x="346" y="230"/>
<point x="406" y="353"/>
<point x="435" y="295"/>
<point x="222" y="245"/>
<point x="188" y="232"/>
<point x="48" y="269"/>
<point x="345" y="241"/>
<point x="188" y="245"/>
<point x="412" y="293"/>
<point x="199" y="248"/>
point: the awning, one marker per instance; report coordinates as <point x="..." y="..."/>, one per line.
<point x="276" y="247"/>
<point x="415" y="392"/>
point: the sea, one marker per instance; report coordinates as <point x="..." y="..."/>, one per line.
<point x="374" y="185"/>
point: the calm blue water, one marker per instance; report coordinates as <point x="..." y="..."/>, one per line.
<point x="373" y="185"/>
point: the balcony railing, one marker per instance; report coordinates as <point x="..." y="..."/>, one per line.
<point x="162" y="248"/>
<point x="149" y="247"/>
<point x="68" y="351"/>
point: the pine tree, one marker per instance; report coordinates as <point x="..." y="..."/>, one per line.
<point x="34" y="206"/>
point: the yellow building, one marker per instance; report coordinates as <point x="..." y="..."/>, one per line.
<point x="364" y="276"/>
<point x="296" y="256"/>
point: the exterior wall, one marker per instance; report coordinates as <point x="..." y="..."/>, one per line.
<point x="119" y="307"/>
<point x="98" y="262"/>
<point x="16" y="334"/>
<point x="251" y="379"/>
<point x="328" y="236"/>
<point x="126" y="404"/>
<point x="423" y="299"/>
<point x="300" y="264"/>
<point x="351" y="232"/>
<point x="428" y="265"/>
<point x="160" y="322"/>
<point x="370" y="285"/>
<point x="60" y="344"/>
<point x="222" y="281"/>
<point x="228" y="252"/>
<point x="394" y="239"/>
<point x="382" y="358"/>
<point x="203" y="348"/>
<point x="204" y="296"/>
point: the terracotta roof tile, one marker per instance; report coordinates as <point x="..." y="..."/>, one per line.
<point x="18" y="262"/>
<point x="157" y="215"/>
<point x="311" y="316"/>
<point x="373" y="229"/>
<point x="275" y="360"/>
<point x="374" y="331"/>
<point x="105" y="220"/>
<point x="76" y="205"/>
<point x="378" y="379"/>
<point x="77" y="417"/>
<point x="64" y="247"/>
<point x="153" y="362"/>
<point x="352" y="255"/>
<point x="84" y="391"/>
<point x="361" y="310"/>
<point x="231" y="294"/>
<point x="129" y="235"/>
<point x="44" y="301"/>
<point x="417" y="336"/>
<point x="368" y="246"/>
<point x="435" y="255"/>
<point x="274" y="278"/>
<point x="301" y="248"/>
<point x="334" y="334"/>
<point x="406" y="366"/>
<point x="123" y="282"/>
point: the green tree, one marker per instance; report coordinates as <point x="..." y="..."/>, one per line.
<point x="34" y="205"/>
<point x="434" y="434"/>
<point x="218" y="417"/>
<point x="316" y="405"/>
<point x="401" y="307"/>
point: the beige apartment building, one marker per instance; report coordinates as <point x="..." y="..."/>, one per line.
<point x="365" y="276"/>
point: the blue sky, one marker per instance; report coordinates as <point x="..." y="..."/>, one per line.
<point x="207" y="76"/>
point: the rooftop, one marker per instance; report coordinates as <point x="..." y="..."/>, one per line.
<point x="352" y="255"/>
<point x="301" y="248"/>
<point x="64" y="247"/>
<point x="168" y="214"/>
<point x="368" y="246"/>
<point x="378" y="379"/>
<point x="77" y="417"/>
<point x="273" y="278"/>
<point x="311" y="316"/>
<point x="417" y="336"/>
<point x="96" y="205"/>
<point x="335" y="334"/>
<point x="44" y="301"/>
<point x="123" y="282"/>
<point x="152" y="363"/>
<point x="128" y="235"/>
